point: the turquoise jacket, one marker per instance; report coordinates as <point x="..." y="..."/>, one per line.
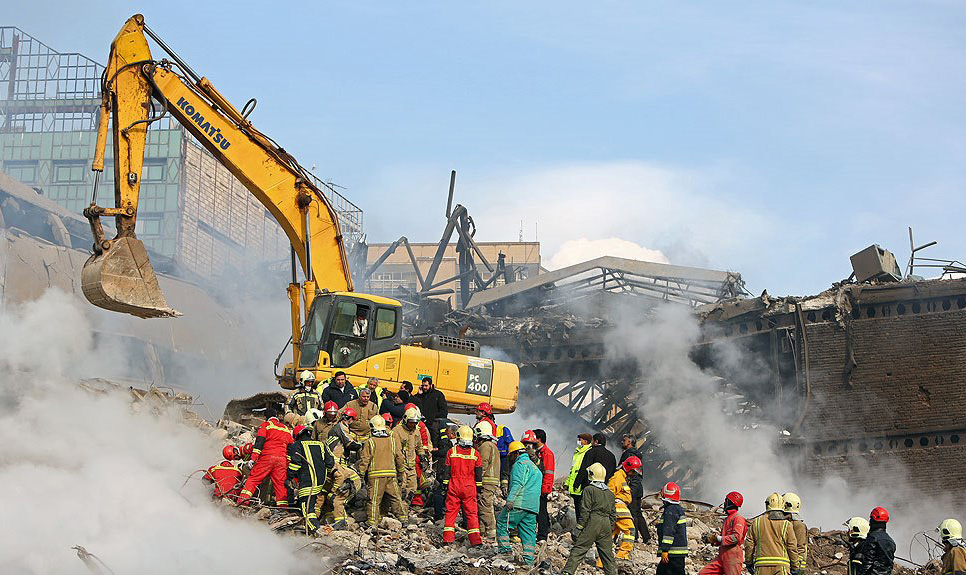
<point x="525" y="482"/>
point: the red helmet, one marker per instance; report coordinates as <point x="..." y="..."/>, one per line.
<point x="388" y="418"/>
<point x="330" y="406"/>
<point x="247" y="449"/>
<point x="231" y="452"/>
<point x="632" y="464"/>
<point x="485" y="408"/>
<point x="735" y="498"/>
<point x="409" y="406"/>
<point x="299" y="429"/>
<point x="671" y="492"/>
<point x="879" y="514"/>
<point x="529" y="437"/>
<point x="349" y="412"/>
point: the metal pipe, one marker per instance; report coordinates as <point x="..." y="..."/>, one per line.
<point x="452" y="187"/>
<point x="171" y="53"/>
<point x="97" y="180"/>
<point x="295" y="277"/>
<point x="308" y="248"/>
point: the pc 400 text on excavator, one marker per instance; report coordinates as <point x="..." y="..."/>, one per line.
<point x="343" y="330"/>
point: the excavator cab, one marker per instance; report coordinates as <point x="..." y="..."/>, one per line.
<point x="343" y="329"/>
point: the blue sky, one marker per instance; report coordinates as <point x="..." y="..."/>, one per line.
<point x="771" y="138"/>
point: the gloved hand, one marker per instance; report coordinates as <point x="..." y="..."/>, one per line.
<point x="665" y="557"/>
<point x="710" y="538"/>
<point x="344" y="489"/>
<point x="509" y="504"/>
<point x="424" y="460"/>
<point x="505" y="488"/>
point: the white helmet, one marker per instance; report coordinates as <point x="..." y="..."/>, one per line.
<point x="950" y="529"/>
<point x="484" y="430"/>
<point x="306" y="378"/>
<point x="412" y="415"/>
<point x="313" y="415"/>
<point x="858" y="527"/>
<point x="377" y="423"/>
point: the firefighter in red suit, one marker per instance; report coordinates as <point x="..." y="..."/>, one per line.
<point x="465" y="469"/>
<point x="226" y="477"/>
<point x="731" y="555"/>
<point x="270" y="457"/>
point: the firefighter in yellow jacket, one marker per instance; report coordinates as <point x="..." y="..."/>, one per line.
<point x="619" y="485"/>
<point x="406" y="434"/>
<point x="488" y="489"/>
<point x="383" y="463"/>
<point x="954" y="550"/>
<point x="770" y="545"/>
<point x="793" y="509"/>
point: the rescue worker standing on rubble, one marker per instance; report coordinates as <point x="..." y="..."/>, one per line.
<point x="445" y="443"/>
<point x="464" y="470"/>
<point x="595" y="526"/>
<point x="672" y="532"/>
<point x="309" y="464"/>
<point x="407" y="436"/>
<point x="858" y="528"/>
<point x="305" y="398"/>
<point x="731" y="554"/>
<point x="793" y="509"/>
<point x="225" y="476"/>
<point x="489" y="487"/>
<point x="620" y="486"/>
<point x="383" y="463"/>
<point x="629" y="445"/>
<point x="270" y="456"/>
<point x="365" y="410"/>
<point x="878" y="550"/>
<point x="537" y="440"/>
<point x="583" y="446"/>
<point x="770" y="545"/>
<point x="522" y="504"/>
<point x="484" y="411"/>
<point x="432" y="404"/>
<point x="954" y="550"/>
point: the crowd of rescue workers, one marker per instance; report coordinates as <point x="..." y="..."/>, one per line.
<point x="413" y="458"/>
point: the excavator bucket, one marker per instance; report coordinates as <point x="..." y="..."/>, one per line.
<point x="122" y="280"/>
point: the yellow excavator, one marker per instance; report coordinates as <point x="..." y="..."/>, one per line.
<point x="343" y="330"/>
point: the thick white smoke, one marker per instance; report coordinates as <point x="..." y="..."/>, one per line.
<point x="80" y="469"/>
<point x="581" y="250"/>
<point x="679" y="402"/>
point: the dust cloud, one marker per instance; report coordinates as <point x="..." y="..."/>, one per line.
<point x="80" y="469"/>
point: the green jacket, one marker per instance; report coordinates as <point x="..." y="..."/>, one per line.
<point x="598" y="513"/>
<point x="574" y="468"/>
<point x="525" y="482"/>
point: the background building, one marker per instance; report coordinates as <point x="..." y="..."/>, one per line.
<point x="192" y="210"/>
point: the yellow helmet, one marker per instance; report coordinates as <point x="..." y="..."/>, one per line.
<point x="774" y="503"/>
<point x="793" y="503"/>
<point x="292" y="419"/>
<point x="464" y="433"/>
<point x="514" y="447"/>
<point x="377" y="423"/>
<point x="596" y="472"/>
<point x="858" y="527"/>
<point x="950" y="529"/>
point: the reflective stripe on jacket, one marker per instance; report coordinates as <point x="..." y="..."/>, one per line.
<point x="672" y="530"/>
<point x="574" y="468"/>
<point x="771" y="541"/>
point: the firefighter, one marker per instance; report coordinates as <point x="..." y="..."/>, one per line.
<point x="270" y="457"/>
<point x="619" y="485"/>
<point x="441" y="486"/>
<point x="344" y="480"/>
<point x="878" y="550"/>
<point x="770" y="545"/>
<point x="321" y="426"/>
<point x="305" y="398"/>
<point x="365" y="410"/>
<point x="309" y="464"/>
<point x="954" y="550"/>
<point x="489" y="487"/>
<point x="388" y="418"/>
<point x="858" y="528"/>
<point x="522" y="504"/>
<point x="340" y="433"/>
<point x="595" y="527"/>
<point x="731" y="554"/>
<point x="382" y="462"/>
<point x="424" y="461"/>
<point x="672" y="534"/>
<point x="793" y="509"/>
<point x="502" y="434"/>
<point x="407" y="436"/>
<point x="225" y="477"/>
<point x="464" y="470"/>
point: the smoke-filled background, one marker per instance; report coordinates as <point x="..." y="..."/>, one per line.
<point x="84" y="469"/>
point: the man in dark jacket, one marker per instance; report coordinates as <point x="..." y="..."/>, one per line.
<point x="636" y="483"/>
<point x="339" y="390"/>
<point x="432" y="404"/>
<point x="878" y="550"/>
<point x="598" y="454"/>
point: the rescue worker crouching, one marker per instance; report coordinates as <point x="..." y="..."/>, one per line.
<point x="595" y="527"/>
<point x="463" y="469"/>
<point x="858" y="528"/>
<point x="793" y="508"/>
<point x="954" y="549"/>
<point x="489" y="488"/>
<point x="619" y="485"/>
<point x="225" y="477"/>
<point x="672" y="532"/>
<point x="731" y="555"/>
<point x="522" y="503"/>
<point x="770" y="545"/>
<point x="878" y="550"/>
<point x="306" y="397"/>
<point x="309" y="464"/>
<point x="270" y="457"/>
<point x="382" y="462"/>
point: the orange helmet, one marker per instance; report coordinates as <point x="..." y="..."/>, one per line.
<point x="632" y="464"/>
<point x="349" y="412"/>
<point x="247" y="449"/>
<point x="330" y="406"/>
<point x="735" y="499"/>
<point x="388" y="418"/>
<point x="671" y="492"/>
<point x="529" y="437"/>
<point x="879" y="514"/>
<point x="231" y="452"/>
<point x="409" y="406"/>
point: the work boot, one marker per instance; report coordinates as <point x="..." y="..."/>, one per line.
<point x="340" y="525"/>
